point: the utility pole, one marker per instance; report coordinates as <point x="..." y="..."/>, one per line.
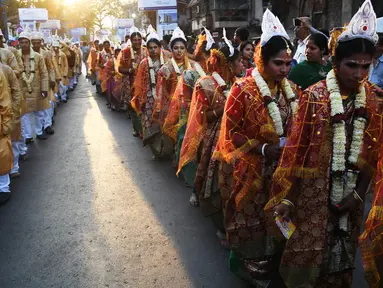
<point x="3" y="19"/>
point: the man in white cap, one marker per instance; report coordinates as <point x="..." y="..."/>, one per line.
<point x="78" y="52"/>
<point x="34" y="84"/>
<point x="61" y="63"/>
<point x="9" y="60"/>
<point x="7" y="57"/>
<point x="72" y="60"/>
<point x="376" y="75"/>
<point x="37" y="42"/>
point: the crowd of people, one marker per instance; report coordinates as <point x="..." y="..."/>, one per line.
<point x="280" y="143"/>
<point x="34" y="79"/>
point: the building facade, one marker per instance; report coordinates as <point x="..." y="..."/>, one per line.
<point x="324" y="13"/>
<point x="231" y="14"/>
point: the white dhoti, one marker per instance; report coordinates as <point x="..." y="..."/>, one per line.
<point x="71" y="82"/>
<point x="48" y="115"/>
<point x="26" y="126"/>
<point x="4" y="183"/>
<point x="23" y="149"/>
<point x="39" y="123"/>
<point x="16" y="154"/>
<point x="62" y="90"/>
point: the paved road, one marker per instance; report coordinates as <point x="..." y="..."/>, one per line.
<point x="93" y="210"/>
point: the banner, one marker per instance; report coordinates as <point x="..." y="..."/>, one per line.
<point x="33" y="14"/>
<point x="167" y="22"/>
<point x="104" y="32"/>
<point x="124" y="23"/>
<point x="47" y="32"/>
<point x="30" y="24"/>
<point x="121" y="33"/>
<point x="78" y="31"/>
<point x="76" y="34"/>
<point x="156" y="4"/>
<point x="51" y="24"/>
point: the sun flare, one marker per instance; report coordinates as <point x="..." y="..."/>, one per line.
<point x="69" y="2"/>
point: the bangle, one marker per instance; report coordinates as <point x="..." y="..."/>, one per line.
<point x="263" y="149"/>
<point x="288" y="203"/>
<point x="215" y="114"/>
<point x="356" y="196"/>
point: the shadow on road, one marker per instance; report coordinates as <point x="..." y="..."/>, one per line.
<point x="193" y="235"/>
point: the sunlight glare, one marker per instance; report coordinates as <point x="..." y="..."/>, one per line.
<point x="70" y="2"/>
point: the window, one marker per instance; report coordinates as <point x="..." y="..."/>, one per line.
<point x="230" y="10"/>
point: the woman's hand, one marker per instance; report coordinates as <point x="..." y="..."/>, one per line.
<point x="348" y="204"/>
<point x="273" y="152"/>
<point x="282" y="210"/>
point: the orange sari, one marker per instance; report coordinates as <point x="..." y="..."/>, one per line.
<point x="104" y="69"/>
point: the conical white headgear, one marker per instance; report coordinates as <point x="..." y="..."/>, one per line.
<point x="362" y="25"/>
<point x="177" y="34"/>
<point x="209" y="39"/>
<point x="228" y="42"/>
<point x="271" y="26"/>
<point x="134" y="29"/>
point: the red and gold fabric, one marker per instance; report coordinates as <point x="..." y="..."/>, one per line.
<point x="180" y="102"/>
<point x="167" y="81"/>
<point x="246" y="123"/>
<point x="105" y="64"/>
<point x="201" y="135"/>
<point x="371" y="240"/>
<point x="126" y="61"/>
<point x="315" y="251"/>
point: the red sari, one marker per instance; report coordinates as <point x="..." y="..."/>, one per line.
<point x="316" y="255"/>
<point x="371" y="241"/>
<point x="246" y="123"/>
<point x="201" y="136"/>
<point x="167" y="81"/>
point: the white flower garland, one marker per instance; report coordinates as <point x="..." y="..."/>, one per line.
<point x="272" y="107"/>
<point x="152" y="74"/>
<point x="29" y="80"/>
<point x="343" y="187"/>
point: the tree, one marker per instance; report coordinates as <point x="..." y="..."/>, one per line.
<point x="103" y="9"/>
